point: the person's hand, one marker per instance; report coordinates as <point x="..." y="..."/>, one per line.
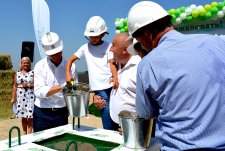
<point x="99" y="102"/>
<point x="115" y="82"/>
<point x="25" y="85"/>
<point x="120" y="130"/>
<point x="13" y="101"/>
<point x="69" y="78"/>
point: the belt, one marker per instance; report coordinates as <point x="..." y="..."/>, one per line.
<point x="52" y="109"/>
<point x="55" y="109"/>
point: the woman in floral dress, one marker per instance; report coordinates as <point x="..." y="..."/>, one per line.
<point x="23" y="94"/>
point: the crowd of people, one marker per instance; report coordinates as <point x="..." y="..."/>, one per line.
<point x="152" y="70"/>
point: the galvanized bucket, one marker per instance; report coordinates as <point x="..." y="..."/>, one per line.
<point x="136" y="131"/>
<point x="77" y="100"/>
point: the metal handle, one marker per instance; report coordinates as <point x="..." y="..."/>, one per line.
<point x="10" y="135"/>
<point x="69" y="144"/>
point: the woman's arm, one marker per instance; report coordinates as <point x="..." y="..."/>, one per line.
<point x="13" y="100"/>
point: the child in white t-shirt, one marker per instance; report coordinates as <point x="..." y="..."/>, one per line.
<point x="102" y="69"/>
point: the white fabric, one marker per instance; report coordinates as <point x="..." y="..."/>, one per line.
<point x="124" y="97"/>
<point x="14" y="108"/>
<point x="97" y="58"/>
<point x="47" y="75"/>
<point x="24" y="96"/>
<point x="41" y="21"/>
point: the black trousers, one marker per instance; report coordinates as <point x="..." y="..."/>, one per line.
<point x="45" y="118"/>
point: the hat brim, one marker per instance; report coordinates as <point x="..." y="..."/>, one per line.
<point x="94" y="34"/>
<point x="129" y="38"/>
<point x="131" y="49"/>
<point x="54" y="51"/>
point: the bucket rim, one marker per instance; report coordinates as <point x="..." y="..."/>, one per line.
<point x="131" y="117"/>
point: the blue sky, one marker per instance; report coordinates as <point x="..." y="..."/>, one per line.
<point x="68" y="18"/>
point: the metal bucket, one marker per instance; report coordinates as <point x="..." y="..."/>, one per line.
<point x="77" y="101"/>
<point x="136" y="131"/>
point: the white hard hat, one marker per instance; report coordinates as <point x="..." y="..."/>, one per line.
<point x="95" y="26"/>
<point x="131" y="49"/>
<point x="144" y="13"/>
<point x="51" y="43"/>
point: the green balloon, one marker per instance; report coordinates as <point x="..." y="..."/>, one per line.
<point x="126" y="29"/>
<point x="214" y="10"/>
<point x="122" y="30"/>
<point x="173" y="17"/>
<point x="171" y="11"/>
<point x="195" y="13"/>
<point x="220" y="5"/>
<point x="118" y="28"/>
<point x="189" y="18"/>
<point x="124" y="22"/>
<point x="214" y="4"/>
<point x="182" y="9"/>
<point x="117" y="19"/>
<point x="207" y="7"/>
<point x="208" y="15"/>
<point x="177" y="12"/>
<point x="202" y="12"/>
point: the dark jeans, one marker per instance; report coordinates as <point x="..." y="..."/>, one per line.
<point x="106" y="119"/>
<point x="115" y="126"/>
<point x="45" y="118"/>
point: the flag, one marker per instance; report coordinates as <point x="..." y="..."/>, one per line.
<point x="41" y="21"/>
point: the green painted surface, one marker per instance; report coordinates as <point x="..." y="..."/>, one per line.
<point x="84" y="144"/>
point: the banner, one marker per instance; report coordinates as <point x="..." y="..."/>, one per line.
<point x="41" y="21"/>
<point x="215" y="27"/>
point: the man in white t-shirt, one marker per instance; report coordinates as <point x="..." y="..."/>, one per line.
<point x="123" y="98"/>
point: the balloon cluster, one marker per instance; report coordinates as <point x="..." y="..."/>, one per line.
<point x="213" y="11"/>
<point x="121" y="25"/>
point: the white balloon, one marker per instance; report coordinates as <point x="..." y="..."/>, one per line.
<point x="188" y="11"/>
<point x="117" y="23"/>
<point x="199" y="7"/>
<point x="223" y="9"/>
<point x="193" y="6"/>
<point x="178" y="20"/>
<point x="183" y="16"/>
<point x="117" y="31"/>
<point x="220" y="14"/>
<point x="121" y="19"/>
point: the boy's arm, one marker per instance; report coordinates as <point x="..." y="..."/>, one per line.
<point x="69" y="76"/>
<point x="114" y="69"/>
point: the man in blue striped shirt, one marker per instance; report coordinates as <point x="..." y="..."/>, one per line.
<point x="181" y="81"/>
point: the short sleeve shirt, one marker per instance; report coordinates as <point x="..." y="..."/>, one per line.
<point x="123" y="98"/>
<point x="182" y="82"/>
<point x="97" y="58"/>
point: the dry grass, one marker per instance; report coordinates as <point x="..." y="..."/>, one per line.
<point x="6" y="85"/>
